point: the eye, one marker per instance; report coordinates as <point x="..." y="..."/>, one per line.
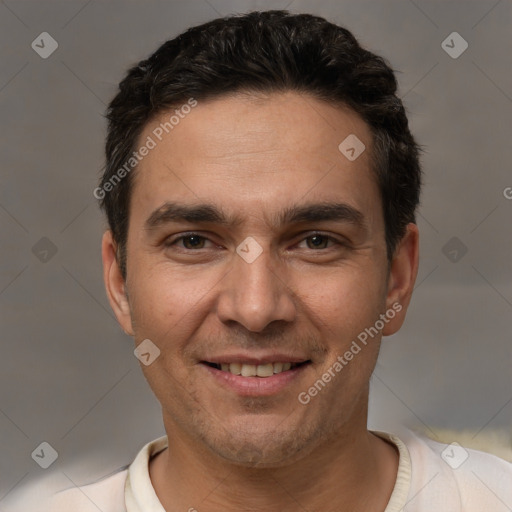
<point x="190" y="241"/>
<point x="195" y="241"/>
<point x="320" y="241"/>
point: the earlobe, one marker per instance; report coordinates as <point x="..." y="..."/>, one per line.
<point x="402" y="276"/>
<point x="115" y="285"/>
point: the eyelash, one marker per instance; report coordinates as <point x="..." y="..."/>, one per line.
<point x="170" y="243"/>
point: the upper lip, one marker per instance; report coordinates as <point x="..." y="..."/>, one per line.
<point x="241" y="358"/>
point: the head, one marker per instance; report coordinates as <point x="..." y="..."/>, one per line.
<point x="243" y="116"/>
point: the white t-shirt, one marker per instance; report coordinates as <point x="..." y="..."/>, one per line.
<point x="431" y="477"/>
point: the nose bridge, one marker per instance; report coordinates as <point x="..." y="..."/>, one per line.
<point x="254" y="294"/>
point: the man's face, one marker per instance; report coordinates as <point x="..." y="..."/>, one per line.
<point x="206" y="300"/>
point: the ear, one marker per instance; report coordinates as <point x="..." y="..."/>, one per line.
<point x="114" y="283"/>
<point x="402" y="276"/>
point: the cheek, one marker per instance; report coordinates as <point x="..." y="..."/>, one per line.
<point x="167" y="304"/>
<point x="345" y="301"/>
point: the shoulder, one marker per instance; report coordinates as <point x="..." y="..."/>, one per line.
<point x="471" y="479"/>
<point x="110" y="494"/>
<point x="106" y="494"/>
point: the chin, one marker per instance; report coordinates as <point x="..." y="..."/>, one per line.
<point x="268" y="448"/>
<point x="250" y="454"/>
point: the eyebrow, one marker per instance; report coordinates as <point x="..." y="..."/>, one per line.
<point x="209" y="213"/>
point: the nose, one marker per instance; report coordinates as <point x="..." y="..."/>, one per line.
<point x="256" y="294"/>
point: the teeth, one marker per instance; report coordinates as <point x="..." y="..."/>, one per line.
<point x="265" y="370"/>
<point x="248" y="370"/>
<point x="234" y="368"/>
<point x="278" y="367"/>
<point x="253" y="370"/>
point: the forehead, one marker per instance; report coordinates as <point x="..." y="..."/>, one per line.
<point x="246" y="152"/>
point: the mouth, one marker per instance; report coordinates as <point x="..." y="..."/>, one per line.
<point x="263" y="371"/>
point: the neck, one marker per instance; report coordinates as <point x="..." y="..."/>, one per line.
<point x="354" y="471"/>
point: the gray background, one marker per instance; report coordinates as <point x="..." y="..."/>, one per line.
<point x="67" y="372"/>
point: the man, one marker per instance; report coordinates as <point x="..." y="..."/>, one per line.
<point x="261" y="187"/>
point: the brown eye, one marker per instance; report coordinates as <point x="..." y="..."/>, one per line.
<point x="318" y="241"/>
<point x="193" y="241"/>
<point x="188" y="241"/>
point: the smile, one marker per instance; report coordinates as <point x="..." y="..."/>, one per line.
<point x="253" y="370"/>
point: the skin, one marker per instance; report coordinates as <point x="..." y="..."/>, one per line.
<point x="253" y="156"/>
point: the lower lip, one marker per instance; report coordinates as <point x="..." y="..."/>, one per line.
<point x="255" y="386"/>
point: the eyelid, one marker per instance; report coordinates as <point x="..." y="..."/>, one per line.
<point x="305" y="235"/>
<point x="168" y="242"/>
<point x="336" y="241"/>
